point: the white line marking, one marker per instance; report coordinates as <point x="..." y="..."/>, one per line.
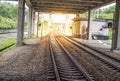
<point x="100" y="41"/>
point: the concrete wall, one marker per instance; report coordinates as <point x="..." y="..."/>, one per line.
<point x="80" y="27"/>
<point x="76" y="28"/>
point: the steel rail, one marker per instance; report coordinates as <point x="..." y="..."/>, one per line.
<point x="53" y="60"/>
<point x="75" y="62"/>
<point x="99" y="55"/>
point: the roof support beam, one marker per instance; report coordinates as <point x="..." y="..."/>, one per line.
<point x="61" y="3"/>
<point x="58" y="10"/>
<point x="70" y="1"/>
<point x="60" y="6"/>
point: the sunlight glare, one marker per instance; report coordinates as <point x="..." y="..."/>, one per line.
<point x="59" y="18"/>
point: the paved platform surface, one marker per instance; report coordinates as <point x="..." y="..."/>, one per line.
<point x="96" y="43"/>
<point x="103" y="44"/>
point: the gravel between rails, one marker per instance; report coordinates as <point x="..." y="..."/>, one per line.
<point x="115" y="53"/>
<point x="100" y="71"/>
<point x="26" y="63"/>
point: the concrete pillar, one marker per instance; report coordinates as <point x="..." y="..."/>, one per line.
<point x="37" y="24"/>
<point x="116" y="27"/>
<point x="67" y="24"/>
<point x="30" y="23"/>
<point x="89" y="24"/>
<point x="76" y="26"/>
<point x="33" y="22"/>
<point x="20" y="24"/>
<point x="50" y="22"/>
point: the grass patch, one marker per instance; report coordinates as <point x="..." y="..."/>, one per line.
<point x="7" y="42"/>
<point x="12" y="47"/>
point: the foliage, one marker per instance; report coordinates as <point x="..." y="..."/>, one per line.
<point x="45" y="25"/>
<point x="7" y="42"/>
<point x="8" y="16"/>
<point x="8" y="10"/>
<point x="106" y="13"/>
<point x="6" y="23"/>
<point x="12" y="47"/>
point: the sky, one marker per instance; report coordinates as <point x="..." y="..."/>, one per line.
<point x="13" y="2"/>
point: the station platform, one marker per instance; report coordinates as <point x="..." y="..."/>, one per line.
<point x="101" y="45"/>
<point x="105" y="44"/>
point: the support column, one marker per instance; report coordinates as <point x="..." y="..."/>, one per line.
<point x="30" y="23"/>
<point x="76" y="26"/>
<point x="33" y="22"/>
<point x="89" y="24"/>
<point x="67" y="24"/>
<point x="50" y="22"/>
<point x="35" y="26"/>
<point x="20" y="23"/>
<point x="38" y="24"/>
<point x="116" y="27"/>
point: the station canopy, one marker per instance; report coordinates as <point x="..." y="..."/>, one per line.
<point x="66" y="6"/>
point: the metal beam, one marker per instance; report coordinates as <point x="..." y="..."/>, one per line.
<point x="77" y="4"/>
<point x="72" y="1"/>
<point x="60" y="6"/>
<point x="55" y="9"/>
<point x="59" y="11"/>
<point x="74" y="9"/>
<point x="62" y="3"/>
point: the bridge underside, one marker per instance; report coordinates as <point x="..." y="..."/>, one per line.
<point x="66" y="6"/>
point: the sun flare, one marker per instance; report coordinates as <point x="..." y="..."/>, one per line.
<point x="59" y="18"/>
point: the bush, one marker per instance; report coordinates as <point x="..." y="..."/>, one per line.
<point x="8" y="16"/>
<point x="6" y="23"/>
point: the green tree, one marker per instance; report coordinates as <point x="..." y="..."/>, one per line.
<point x="106" y="13"/>
<point x="8" y="15"/>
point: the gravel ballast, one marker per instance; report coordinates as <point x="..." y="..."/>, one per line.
<point x="96" y="68"/>
<point x="26" y="63"/>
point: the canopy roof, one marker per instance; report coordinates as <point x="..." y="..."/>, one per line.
<point x="66" y="6"/>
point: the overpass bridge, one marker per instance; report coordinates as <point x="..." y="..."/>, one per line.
<point x="69" y="7"/>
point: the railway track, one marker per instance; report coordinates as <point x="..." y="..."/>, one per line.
<point x="66" y="67"/>
<point x="106" y="59"/>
